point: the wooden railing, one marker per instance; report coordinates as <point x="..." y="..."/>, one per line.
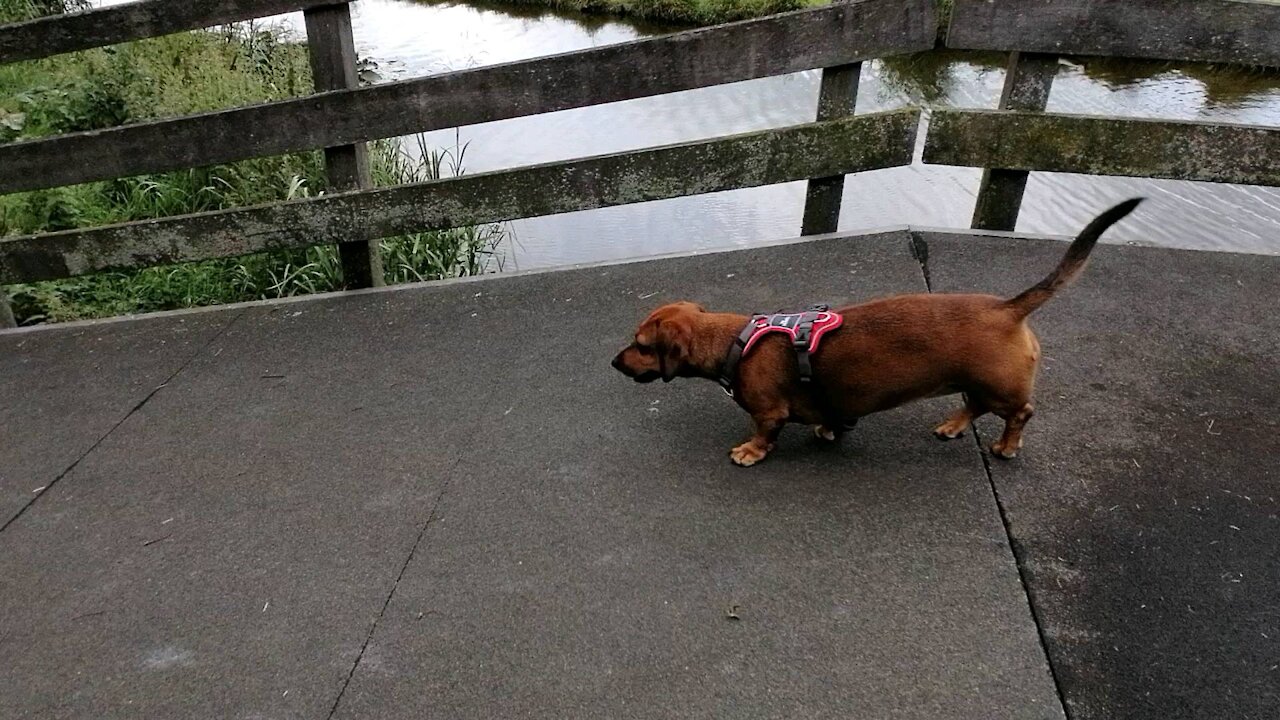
<point x="1037" y="32"/>
<point x="341" y="117"/>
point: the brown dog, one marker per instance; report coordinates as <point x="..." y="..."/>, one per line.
<point x="887" y="352"/>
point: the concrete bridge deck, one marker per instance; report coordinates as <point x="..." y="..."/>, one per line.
<point x="441" y="502"/>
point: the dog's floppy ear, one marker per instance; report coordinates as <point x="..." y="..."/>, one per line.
<point x="674" y="338"/>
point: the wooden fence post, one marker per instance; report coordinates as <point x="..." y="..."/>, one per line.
<point x="1026" y="87"/>
<point x="6" y="312"/>
<point x="836" y="98"/>
<point x="333" y="66"/>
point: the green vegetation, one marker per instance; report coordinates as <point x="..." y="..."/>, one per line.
<point x="178" y="75"/>
<point x="19" y="10"/>
<point x="408" y="258"/>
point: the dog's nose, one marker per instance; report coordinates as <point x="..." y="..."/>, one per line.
<point x="617" y="362"/>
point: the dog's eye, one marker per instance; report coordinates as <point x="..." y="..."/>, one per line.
<point x="644" y="349"/>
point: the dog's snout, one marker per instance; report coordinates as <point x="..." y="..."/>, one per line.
<point x="619" y="363"/>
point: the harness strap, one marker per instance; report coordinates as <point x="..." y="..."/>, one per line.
<point x="801" y="345"/>
<point x="729" y="372"/>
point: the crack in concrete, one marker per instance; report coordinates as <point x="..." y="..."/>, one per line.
<point x="920" y="251"/>
<point x="1019" y="561"/>
<point x="413" y="550"/>
<point x="137" y="406"/>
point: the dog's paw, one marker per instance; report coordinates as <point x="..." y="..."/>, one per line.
<point x="950" y="430"/>
<point x="747" y="454"/>
<point x="822" y="432"/>
<point x="1005" y="451"/>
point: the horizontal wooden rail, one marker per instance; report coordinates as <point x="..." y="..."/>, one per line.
<point x="1245" y="32"/>
<point x="822" y="149"/>
<point x="1244" y="154"/>
<point x="791" y="42"/>
<point x="58" y="34"/>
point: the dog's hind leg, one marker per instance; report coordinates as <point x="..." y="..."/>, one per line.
<point x="1011" y="440"/>
<point x="960" y="420"/>
<point x="832" y="430"/>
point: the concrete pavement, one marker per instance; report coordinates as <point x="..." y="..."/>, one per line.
<point x="440" y="501"/>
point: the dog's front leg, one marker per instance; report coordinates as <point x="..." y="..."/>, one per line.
<point x="768" y="425"/>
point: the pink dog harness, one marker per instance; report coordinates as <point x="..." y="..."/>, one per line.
<point x="805" y="330"/>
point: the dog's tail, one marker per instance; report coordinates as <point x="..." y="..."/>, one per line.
<point x="1072" y="263"/>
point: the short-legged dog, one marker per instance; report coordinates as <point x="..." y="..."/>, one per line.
<point x="887" y="352"/>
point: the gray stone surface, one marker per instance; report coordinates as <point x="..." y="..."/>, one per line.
<point x="441" y="502"/>
<point x="63" y="389"/>
<point x="456" y="476"/>
<point x="1144" y="506"/>
<point x="226" y="550"/>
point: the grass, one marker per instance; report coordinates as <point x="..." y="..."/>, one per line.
<point x="178" y="75"/>
<point x="19" y="10"/>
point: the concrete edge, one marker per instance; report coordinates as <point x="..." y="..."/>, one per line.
<point x="925" y="230"/>
<point x="795" y="240"/>
<point x="915" y="231"/>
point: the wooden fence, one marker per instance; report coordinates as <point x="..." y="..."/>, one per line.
<point x="1036" y="32"/>
<point x="341" y="117"/>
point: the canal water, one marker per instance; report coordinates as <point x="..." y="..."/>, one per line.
<point x="412" y="39"/>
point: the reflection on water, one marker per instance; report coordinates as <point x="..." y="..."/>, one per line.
<point x="1221" y="86"/>
<point x="426" y="39"/>
<point x="410" y="39"/>
<point x="938" y="77"/>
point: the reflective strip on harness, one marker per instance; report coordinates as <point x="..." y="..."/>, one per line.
<point x="798" y="325"/>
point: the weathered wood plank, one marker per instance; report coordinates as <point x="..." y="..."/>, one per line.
<point x="837" y="97"/>
<point x="1208" y="152"/>
<point x="58" y="34"/>
<point x="762" y="158"/>
<point x="332" y="50"/>
<point x="1245" y="32"/>
<point x="776" y="45"/>
<point x="1027" y="82"/>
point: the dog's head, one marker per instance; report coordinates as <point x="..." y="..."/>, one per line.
<point x="662" y="344"/>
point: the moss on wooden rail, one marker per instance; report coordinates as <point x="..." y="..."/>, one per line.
<point x="136" y="20"/>
<point x="1210" y="152"/>
<point x="761" y="158"/>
